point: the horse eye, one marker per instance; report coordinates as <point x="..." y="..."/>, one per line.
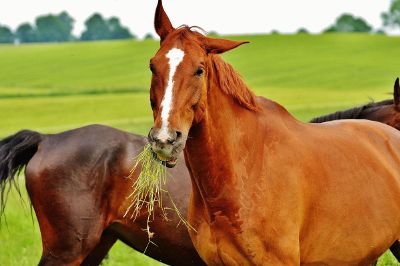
<point x="199" y="71"/>
<point x="151" y="66"/>
<point x="152" y="104"/>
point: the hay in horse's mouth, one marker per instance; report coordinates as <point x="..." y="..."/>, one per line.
<point x="149" y="187"/>
<point x="168" y="162"/>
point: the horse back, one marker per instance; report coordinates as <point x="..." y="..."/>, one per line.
<point x="88" y="152"/>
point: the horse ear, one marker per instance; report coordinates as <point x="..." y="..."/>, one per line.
<point x="396" y="93"/>
<point x="219" y="46"/>
<point x="162" y="24"/>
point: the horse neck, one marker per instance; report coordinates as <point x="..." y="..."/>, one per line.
<point x="220" y="149"/>
<point x="214" y="151"/>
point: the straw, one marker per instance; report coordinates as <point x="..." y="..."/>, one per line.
<point x="148" y="189"/>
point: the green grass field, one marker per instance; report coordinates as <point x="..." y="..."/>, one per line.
<point x="56" y="87"/>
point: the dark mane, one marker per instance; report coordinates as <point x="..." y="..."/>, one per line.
<point x="353" y="113"/>
<point x="226" y="77"/>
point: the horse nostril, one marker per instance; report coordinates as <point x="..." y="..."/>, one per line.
<point x="178" y="135"/>
<point x="164" y="138"/>
<point x="150" y="135"/>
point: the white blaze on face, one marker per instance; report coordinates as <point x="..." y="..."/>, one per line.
<point x="175" y="57"/>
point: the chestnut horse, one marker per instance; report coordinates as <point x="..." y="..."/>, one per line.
<point x="76" y="182"/>
<point x="268" y="189"/>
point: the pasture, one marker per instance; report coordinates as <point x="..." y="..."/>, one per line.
<point x="51" y="88"/>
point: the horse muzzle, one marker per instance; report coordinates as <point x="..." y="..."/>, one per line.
<point x="166" y="145"/>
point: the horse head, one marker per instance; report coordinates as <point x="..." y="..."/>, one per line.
<point x="179" y="84"/>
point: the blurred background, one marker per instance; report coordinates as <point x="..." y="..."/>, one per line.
<point x="65" y="64"/>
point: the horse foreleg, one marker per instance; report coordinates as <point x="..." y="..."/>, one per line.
<point x="68" y="249"/>
<point x="69" y="232"/>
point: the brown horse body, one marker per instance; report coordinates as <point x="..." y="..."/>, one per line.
<point x="76" y="181"/>
<point x="291" y="207"/>
<point x="268" y="189"/>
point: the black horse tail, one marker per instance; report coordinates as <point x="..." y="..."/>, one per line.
<point x="15" y="153"/>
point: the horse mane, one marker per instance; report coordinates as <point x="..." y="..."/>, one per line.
<point x="228" y="80"/>
<point x="353" y="113"/>
<point x="231" y="83"/>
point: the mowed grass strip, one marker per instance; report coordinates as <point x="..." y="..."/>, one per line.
<point x="56" y="87"/>
<point x="313" y="62"/>
<point x="76" y="66"/>
<point x="55" y="114"/>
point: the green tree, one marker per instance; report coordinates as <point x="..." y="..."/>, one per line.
<point x="349" y="23"/>
<point x="392" y="17"/>
<point x="302" y="30"/>
<point x="54" y="28"/>
<point x="117" y="31"/>
<point x="98" y="28"/>
<point x="212" y="33"/>
<point x="26" y="33"/>
<point x="68" y="24"/>
<point x="380" y="32"/>
<point x="148" y="36"/>
<point x="6" y="35"/>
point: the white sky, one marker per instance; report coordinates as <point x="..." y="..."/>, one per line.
<point x="222" y="16"/>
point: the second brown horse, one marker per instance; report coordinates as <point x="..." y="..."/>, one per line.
<point x="78" y="186"/>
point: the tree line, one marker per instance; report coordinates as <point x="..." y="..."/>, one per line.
<point x="58" y="28"/>
<point x="350" y="23"/>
